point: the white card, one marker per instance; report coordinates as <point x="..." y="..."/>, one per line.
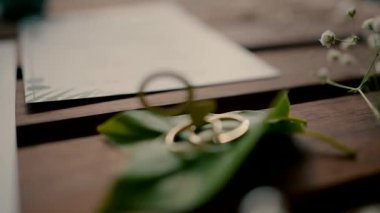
<point x="104" y="52"/>
<point x="8" y="153"/>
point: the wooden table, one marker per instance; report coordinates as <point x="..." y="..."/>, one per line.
<point x="63" y="170"/>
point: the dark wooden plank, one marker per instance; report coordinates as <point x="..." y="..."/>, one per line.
<point x="71" y="176"/>
<point x="350" y="120"/>
<point x="325" y="182"/>
<point x="256" y="23"/>
<point x="53" y="176"/>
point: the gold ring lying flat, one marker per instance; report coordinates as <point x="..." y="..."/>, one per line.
<point x="220" y="136"/>
<point x="174" y="110"/>
<point x="171" y="135"/>
<point x="225" y="137"/>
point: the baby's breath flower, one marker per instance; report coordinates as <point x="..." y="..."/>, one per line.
<point x="372" y="24"/>
<point x="333" y="55"/>
<point x="328" y="38"/>
<point x="373" y="40"/>
<point x="347" y="59"/>
<point x="323" y="74"/>
<point x="349" y="42"/>
<point x="345" y="8"/>
<point x="368" y="24"/>
<point x="351" y="12"/>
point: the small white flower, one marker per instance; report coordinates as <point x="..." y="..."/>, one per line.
<point x="328" y="38"/>
<point x="372" y="24"/>
<point x="368" y="24"/>
<point x="349" y="42"/>
<point x="345" y="9"/>
<point x="333" y="55"/>
<point x="373" y="40"/>
<point x="377" y="67"/>
<point x="347" y="59"/>
<point x="323" y="74"/>
<point x="351" y="12"/>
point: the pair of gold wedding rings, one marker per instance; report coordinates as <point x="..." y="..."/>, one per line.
<point x="221" y="134"/>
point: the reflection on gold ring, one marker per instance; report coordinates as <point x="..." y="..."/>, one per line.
<point x="226" y="137"/>
<point x="220" y="136"/>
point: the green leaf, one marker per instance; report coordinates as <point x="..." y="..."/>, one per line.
<point x="280" y="106"/>
<point x="280" y="122"/>
<point x="151" y="159"/>
<point x="134" y="126"/>
<point x="287" y="126"/>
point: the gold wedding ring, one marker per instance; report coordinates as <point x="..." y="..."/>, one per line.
<point x="174" y="110"/>
<point x="179" y="147"/>
<point x="225" y="137"/>
<point x="216" y="121"/>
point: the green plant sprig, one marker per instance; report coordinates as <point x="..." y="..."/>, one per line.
<point x="329" y="39"/>
<point x="359" y="89"/>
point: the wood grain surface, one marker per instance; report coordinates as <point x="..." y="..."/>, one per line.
<point x="70" y="176"/>
<point x="73" y="175"/>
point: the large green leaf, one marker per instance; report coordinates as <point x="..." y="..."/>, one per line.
<point x="133" y="126"/>
<point x="280" y="106"/>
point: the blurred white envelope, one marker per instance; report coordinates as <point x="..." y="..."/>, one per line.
<point x="104" y="52"/>
<point x="9" y="199"/>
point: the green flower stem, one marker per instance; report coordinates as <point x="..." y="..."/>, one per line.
<point x="353" y="25"/>
<point x="332" y="83"/>
<point x="348" y="151"/>
<point x="298" y="120"/>
<point x="370" y="105"/>
<point x="370" y="68"/>
<point x="358" y="90"/>
<point x="292" y="119"/>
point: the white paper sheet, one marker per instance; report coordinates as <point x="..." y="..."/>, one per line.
<point x="8" y="166"/>
<point x="104" y="52"/>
